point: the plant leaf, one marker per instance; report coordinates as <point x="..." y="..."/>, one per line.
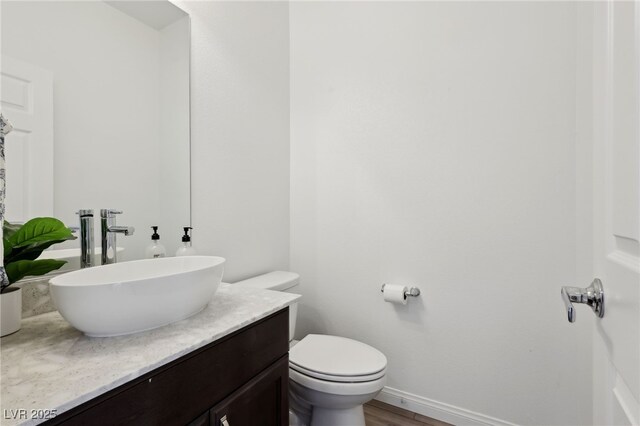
<point x="31" y="252"/>
<point x="40" y="229"/>
<point x="24" y="244"/>
<point x="8" y="229"/>
<point x="22" y="268"/>
<point x="8" y="247"/>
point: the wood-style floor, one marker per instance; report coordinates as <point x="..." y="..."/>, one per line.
<point x="378" y="413"/>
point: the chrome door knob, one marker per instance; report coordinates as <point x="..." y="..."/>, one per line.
<point x="592" y="296"/>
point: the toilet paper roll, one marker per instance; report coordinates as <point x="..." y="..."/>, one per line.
<point x="395" y="294"/>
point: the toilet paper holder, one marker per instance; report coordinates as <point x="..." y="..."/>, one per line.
<point x="412" y="291"/>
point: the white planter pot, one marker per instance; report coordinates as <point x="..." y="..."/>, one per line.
<point x="10" y="310"/>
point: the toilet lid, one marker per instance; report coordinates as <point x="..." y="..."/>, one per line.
<point x="337" y="358"/>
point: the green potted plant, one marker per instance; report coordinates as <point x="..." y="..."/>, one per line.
<point x="23" y="244"/>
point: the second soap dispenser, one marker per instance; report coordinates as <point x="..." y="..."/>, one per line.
<point x="155" y="250"/>
<point x="186" y="249"/>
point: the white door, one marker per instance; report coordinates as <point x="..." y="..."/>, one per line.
<point x="26" y="97"/>
<point x="616" y="162"/>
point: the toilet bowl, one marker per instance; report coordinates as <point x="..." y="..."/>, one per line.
<point x="330" y="377"/>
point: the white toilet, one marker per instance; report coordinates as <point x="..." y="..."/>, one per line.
<point x="330" y="377"/>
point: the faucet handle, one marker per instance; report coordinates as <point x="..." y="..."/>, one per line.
<point x="109" y="212"/>
<point x="85" y="212"/>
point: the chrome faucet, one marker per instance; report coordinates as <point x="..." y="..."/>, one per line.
<point x="87" y="246"/>
<point x="109" y="230"/>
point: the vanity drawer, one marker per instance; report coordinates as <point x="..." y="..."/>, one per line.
<point x="181" y="391"/>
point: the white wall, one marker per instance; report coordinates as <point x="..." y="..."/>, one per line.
<point x="106" y="81"/>
<point x="434" y="144"/>
<point x="240" y="133"/>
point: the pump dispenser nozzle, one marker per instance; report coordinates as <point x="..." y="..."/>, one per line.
<point x="155" y="235"/>
<point x="186" y="238"/>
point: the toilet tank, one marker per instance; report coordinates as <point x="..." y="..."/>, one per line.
<point x="277" y="281"/>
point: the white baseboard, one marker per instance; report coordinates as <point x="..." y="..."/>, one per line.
<point x="437" y="410"/>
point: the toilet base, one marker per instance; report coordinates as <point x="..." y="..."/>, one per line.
<point x="316" y="408"/>
<point x="331" y="417"/>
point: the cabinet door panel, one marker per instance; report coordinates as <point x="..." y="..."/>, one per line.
<point x="261" y="402"/>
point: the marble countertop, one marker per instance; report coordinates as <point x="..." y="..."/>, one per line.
<point x="49" y="365"/>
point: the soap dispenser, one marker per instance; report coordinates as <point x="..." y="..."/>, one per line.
<point x="186" y="249"/>
<point x="155" y="250"/>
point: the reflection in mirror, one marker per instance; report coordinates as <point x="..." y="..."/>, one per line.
<point x="98" y="94"/>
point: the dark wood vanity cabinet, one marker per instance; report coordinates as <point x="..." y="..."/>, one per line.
<point x="243" y="376"/>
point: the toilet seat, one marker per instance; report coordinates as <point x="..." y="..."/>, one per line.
<point x="334" y="378"/>
<point x="337" y="388"/>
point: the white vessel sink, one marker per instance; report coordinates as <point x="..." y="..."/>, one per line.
<point x="129" y="297"/>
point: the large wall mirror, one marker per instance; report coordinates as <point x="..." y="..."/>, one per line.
<point x="98" y="95"/>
